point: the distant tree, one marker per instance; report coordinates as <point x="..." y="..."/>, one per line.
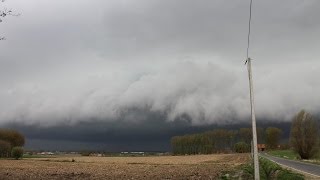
<point x="304" y="134"/>
<point x="216" y="141"/>
<point x="192" y="144"/>
<point x="273" y="136"/>
<point x="17" y="152"/>
<point x="222" y="139"/>
<point x="245" y="135"/>
<point x="13" y="137"/>
<point x="261" y="135"/>
<point x="5" y="148"/>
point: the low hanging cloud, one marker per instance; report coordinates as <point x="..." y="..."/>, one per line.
<point x="201" y="92"/>
<point x="204" y="93"/>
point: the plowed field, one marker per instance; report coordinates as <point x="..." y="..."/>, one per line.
<point x="160" y="167"/>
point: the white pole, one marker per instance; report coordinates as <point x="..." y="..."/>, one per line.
<point x="254" y="127"/>
<point x="251" y="149"/>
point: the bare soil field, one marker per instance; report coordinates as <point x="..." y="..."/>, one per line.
<point x="158" y="167"/>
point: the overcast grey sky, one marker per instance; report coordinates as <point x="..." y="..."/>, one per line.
<point x="69" y="61"/>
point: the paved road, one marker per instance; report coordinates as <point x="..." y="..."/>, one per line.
<point x="300" y="166"/>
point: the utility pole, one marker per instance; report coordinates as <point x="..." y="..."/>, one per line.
<point x="254" y="127"/>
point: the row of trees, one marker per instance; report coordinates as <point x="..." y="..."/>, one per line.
<point x="223" y="140"/>
<point x="11" y="143"/>
<point x="304" y="139"/>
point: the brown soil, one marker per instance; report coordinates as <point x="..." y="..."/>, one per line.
<point x="162" y="167"/>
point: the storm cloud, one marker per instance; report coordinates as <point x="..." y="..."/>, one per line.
<point x="76" y="61"/>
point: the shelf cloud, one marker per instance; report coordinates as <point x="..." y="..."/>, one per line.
<point x="116" y="61"/>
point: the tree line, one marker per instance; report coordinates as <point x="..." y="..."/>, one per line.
<point x="11" y="143"/>
<point x="304" y="139"/>
<point x="223" y="140"/>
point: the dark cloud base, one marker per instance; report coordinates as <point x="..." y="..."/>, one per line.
<point x="151" y="135"/>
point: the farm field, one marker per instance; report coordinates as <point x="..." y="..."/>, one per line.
<point x="156" y="167"/>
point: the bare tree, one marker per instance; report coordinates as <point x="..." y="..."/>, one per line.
<point x="4" y="13"/>
<point x="304" y="134"/>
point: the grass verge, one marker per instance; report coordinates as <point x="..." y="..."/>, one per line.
<point x="268" y="170"/>
<point x="287" y="154"/>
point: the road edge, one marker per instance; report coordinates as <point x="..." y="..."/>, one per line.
<point x="294" y="169"/>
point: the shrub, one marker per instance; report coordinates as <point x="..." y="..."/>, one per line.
<point x="241" y="147"/>
<point x="268" y="168"/>
<point x="17" y="152"/>
<point x="285" y="174"/>
<point x="248" y="171"/>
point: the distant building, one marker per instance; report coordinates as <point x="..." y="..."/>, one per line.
<point x="45" y="153"/>
<point x="261" y="147"/>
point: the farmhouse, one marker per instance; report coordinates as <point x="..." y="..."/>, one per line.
<point x="261" y="147"/>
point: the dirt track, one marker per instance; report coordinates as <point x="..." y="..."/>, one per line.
<point x="164" y="167"/>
